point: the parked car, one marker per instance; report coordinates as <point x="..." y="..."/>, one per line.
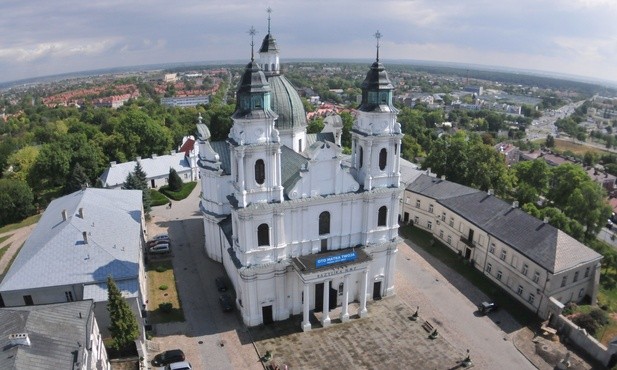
<point x="161" y="237"/>
<point x="221" y="284"/>
<point x="183" y="365"/>
<point x="486" y="307"/>
<point x="160" y="249"/>
<point x="153" y="242"/>
<point x="227" y="303"/>
<point x="168" y="357"/>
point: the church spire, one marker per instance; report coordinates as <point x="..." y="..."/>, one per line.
<point x="252" y="32"/>
<point x="377" y="37"/>
<point x="269" y="10"/>
<point x="269" y="53"/>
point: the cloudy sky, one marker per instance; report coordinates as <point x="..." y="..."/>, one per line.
<point x="43" y="37"/>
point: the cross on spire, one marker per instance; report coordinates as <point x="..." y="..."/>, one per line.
<point x="269" y="10"/>
<point x="252" y="32"/>
<point x="377" y="36"/>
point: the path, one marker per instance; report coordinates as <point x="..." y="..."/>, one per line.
<point x="16" y="240"/>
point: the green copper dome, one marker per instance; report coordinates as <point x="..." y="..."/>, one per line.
<point x="286" y="102"/>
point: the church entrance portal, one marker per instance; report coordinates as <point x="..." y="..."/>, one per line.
<point x="319" y="297"/>
<point x="266" y="313"/>
<point x="377" y="291"/>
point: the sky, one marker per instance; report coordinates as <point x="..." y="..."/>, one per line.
<point x="575" y="37"/>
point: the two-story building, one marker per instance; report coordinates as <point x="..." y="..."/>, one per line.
<point x="535" y="262"/>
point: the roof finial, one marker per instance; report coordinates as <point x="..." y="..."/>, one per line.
<point x="377" y="36"/>
<point x="252" y="32"/>
<point x="269" y="10"/>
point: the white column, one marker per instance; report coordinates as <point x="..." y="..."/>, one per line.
<point x="325" y="312"/>
<point x="306" y="323"/>
<point x="362" y="312"/>
<point x="345" y="311"/>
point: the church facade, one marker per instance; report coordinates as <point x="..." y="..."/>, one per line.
<point x="298" y="226"/>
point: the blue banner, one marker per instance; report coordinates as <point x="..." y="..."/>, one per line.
<point x="332" y="260"/>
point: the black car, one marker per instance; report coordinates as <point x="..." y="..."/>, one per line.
<point x="168" y="357"/>
<point x="486" y="307"/>
<point x="227" y="303"/>
<point x="221" y="284"/>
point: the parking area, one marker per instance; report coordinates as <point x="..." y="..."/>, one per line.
<point x="386" y="339"/>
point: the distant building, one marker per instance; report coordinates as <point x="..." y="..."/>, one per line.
<point x="478" y="90"/>
<point x="52" y="336"/>
<point x="605" y="179"/>
<point x="510" y="152"/>
<point x="186" y="101"/>
<point x="170" y="78"/>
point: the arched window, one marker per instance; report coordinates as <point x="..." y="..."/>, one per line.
<point x="382" y="216"/>
<point x="361" y="157"/>
<point x="324" y="223"/>
<point x="383" y="158"/>
<point x="260" y="171"/>
<point x="263" y="235"/>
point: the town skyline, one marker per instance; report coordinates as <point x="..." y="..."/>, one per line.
<point x="567" y="38"/>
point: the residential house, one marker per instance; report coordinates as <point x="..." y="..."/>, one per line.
<point x="52" y="336"/>
<point x="81" y="239"/>
<point x="539" y="265"/>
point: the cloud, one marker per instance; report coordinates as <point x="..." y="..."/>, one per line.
<point x="58" y="49"/>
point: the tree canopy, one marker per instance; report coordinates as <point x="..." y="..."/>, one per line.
<point x="124" y="329"/>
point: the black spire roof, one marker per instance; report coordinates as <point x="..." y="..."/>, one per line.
<point x="376" y="87"/>
<point x="269" y="42"/>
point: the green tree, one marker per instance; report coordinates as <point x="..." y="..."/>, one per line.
<point x="21" y="162"/>
<point x="138" y="180"/>
<point x="77" y="180"/>
<point x="315" y="126"/>
<point x="15" y="201"/>
<point x="124" y="329"/>
<point x="347" y="119"/>
<point x="51" y="167"/>
<point x="534" y="174"/>
<point x="174" y="180"/>
<point x="141" y="136"/>
<point x="550" y="141"/>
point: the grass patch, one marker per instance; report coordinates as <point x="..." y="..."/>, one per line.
<point x="187" y="188"/>
<point x="26" y="222"/>
<point x="576" y="148"/>
<point x="162" y="274"/>
<point x="2" y="273"/>
<point x="157" y="198"/>
<point x="457" y="263"/>
<point x="3" y="250"/>
<point x="3" y="238"/>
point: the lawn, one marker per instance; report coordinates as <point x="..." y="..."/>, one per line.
<point x="3" y="250"/>
<point x="3" y="238"/>
<point x="576" y="148"/>
<point x="158" y="199"/>
<point x="438" y="250"/>
<point x="186" y="190"/>
<point x="161" y="274"/>
<point x="26" y="222"/>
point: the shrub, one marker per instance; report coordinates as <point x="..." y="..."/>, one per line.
<point x="585" y="321"/>
<point x="163" y="287"/>
<point x="160" y="268"/>
<point x="599" y="316"/>
<point x="165" y="307"/>
<point x="157" y="198"/>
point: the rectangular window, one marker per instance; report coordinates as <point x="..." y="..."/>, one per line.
<point x="489" y="267"/>
<point x="430" y="208"/>
<point x="587" y="272"/>
<point x="491" y="249"/>
<point x="449" y="239"/>
<point x="525" y="268"/>
<point x="519" y="290"/>
<point x="429" y="225"/>
<point x="416" y="220"/>
<point x="503" y="255"/>
<point x="581" y="292"/>
<point x="536" y="277"/>
<point x="564" y="280"/>
<point x="451" y="221"/>
<point x="575" y="277"/>
<point x="69" y="296"/>
<point x="407" y="200"/>
<point x="443" y="216"/>
<point x="324" y="245"/>
<point x="441" y="234"/>
<point x="531" y="298"/>
<point x="499" y="274"/>
<point x="418" y="203"/>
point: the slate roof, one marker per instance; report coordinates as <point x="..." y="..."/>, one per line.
<point x="544" y="244"/>
<point x="153" y="167"/>
<point x="222" y="149"/>
<point x="98" y="292"/>
<point x="291" y="163"/>
<point x="58" y="336"/>
<point x="55" y="253"/>
<point x="321" y="136"/>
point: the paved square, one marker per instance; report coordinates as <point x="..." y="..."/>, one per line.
<point x="386" y="339"/>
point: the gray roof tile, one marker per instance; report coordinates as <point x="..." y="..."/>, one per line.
<point x="153" y="167"/>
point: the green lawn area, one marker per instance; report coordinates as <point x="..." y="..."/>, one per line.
<point x="187" y="188"/>
<point x="3" y="250"/>
<point x="438" y="250"/>
<point x="26" y="222"/>
<point x="10" y="262"/>
<point x="161" y="273"/>
<point x="158" y="199"/>
<point x="3" y="238"/>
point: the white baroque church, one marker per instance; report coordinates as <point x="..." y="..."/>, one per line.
<point x="298" y="226"/>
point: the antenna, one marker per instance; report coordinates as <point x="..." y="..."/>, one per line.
<point x="269" y="10"/>
<point x="377" y="37"/>
<point x="252" y="32"/>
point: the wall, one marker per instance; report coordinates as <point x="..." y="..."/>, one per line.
<point x="582" y="340"/>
